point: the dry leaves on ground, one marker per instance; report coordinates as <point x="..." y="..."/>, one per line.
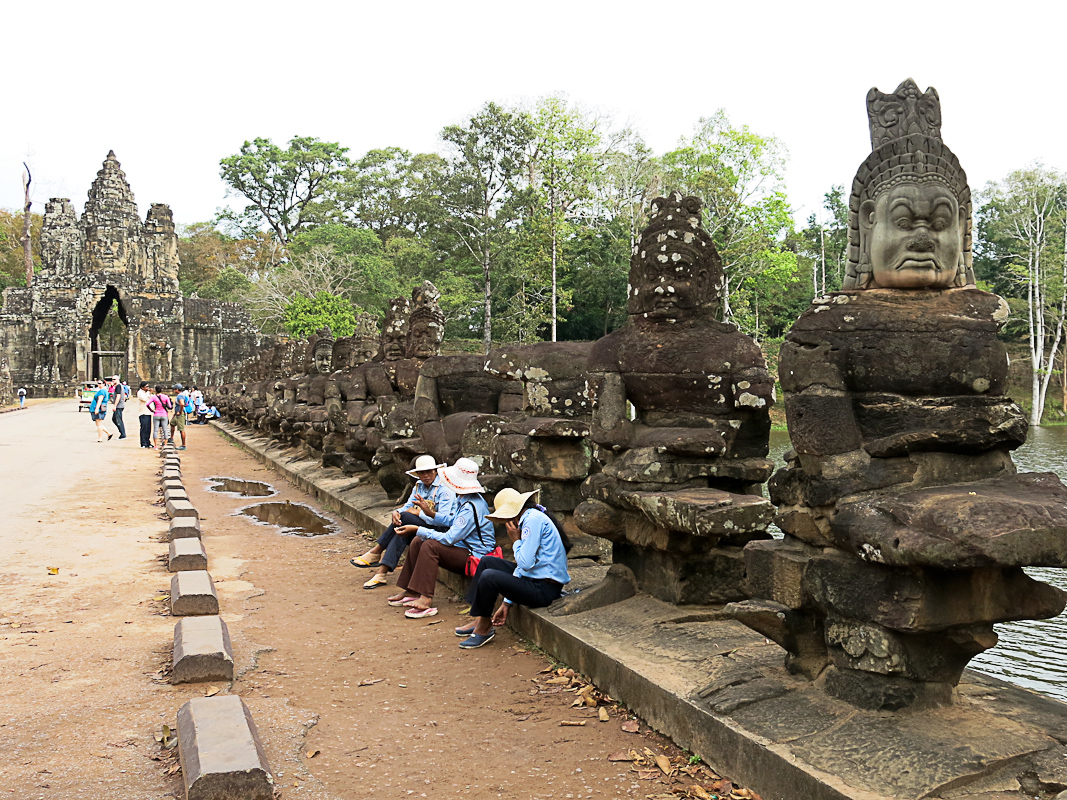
<point x="686" y="780"/>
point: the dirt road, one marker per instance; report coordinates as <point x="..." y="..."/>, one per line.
<point x="83" y="651"/>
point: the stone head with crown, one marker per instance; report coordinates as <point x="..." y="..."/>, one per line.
<point x="910" y="207"/>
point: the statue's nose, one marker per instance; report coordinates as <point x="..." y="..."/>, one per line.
<point x="922" y="243"/>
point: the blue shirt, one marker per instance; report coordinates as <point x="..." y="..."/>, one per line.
<point x="469" y="530"/>
<point x="99" y="403"/>
<point x="444" y="502"/>
<point x="539" y="552"/>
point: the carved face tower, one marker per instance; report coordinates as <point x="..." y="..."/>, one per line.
<point x="910" y="210"/>
<point x="675" y="272"/>
<point x="426" y="329"/>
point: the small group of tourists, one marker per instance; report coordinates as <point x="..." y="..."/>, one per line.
<point x="163" y="417"/>
<point x="446" y="522"/>
<point x="114" y="392"/>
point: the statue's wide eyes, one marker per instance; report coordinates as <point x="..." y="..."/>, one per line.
<point x="904" y="223"/>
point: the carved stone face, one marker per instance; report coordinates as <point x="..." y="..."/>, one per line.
<point x="914" y="237"/>
<point x="323" y="358"/>
<point x="423" y="340"/>
<point x="667" y="284"/>
<point x="366" y="349"/>
<point x="394" y="345"/>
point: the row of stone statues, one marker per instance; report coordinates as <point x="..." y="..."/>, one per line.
<point x="906" y="527"/>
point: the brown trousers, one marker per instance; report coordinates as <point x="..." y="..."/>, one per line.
<point x="419" y="574"/>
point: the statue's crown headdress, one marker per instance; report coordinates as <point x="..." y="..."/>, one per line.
<point x="906" y="147"/>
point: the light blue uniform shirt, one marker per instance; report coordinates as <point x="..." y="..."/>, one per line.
<point x="466" y="531"/>
<point x="443" y="498"/>
<point x="539" y="552"/>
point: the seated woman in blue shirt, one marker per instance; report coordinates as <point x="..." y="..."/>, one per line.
<point x="431" y="504"/>
<point x="535" y="579"/>
<point x="471" y="534"/>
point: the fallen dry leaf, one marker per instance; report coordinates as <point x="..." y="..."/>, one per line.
<point x="603" y="714"/>
<point x="664" y="764"/>
<point x="700" y="793"/>
<point x="620" y="756"/>
<point x="435" y="622"/>
<point x="53" y="570"/>
<point x="572" y="723"/>
<point x="312" y="753"/>
<point x="631" y="726"/>
<point x="370" y="682"/>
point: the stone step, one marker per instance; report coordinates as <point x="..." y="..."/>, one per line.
<point x="181" y="508"/>
<point x="186" y="554"/>
<point x="221" y="755"/>
<point x="170" y="472"/>
<point x="173" y="483"/>
<point x="172" y="493"/>
<point x="192" y="594"/>
<point x="202" y="650"/>
<point x="184" y="527"/>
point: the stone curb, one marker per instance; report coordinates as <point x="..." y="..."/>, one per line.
<point x="202" y="650"/>
<point x="181" y="508"/>
<point x="186" y="554"/>
<point x="184" y="527"/>
<point x="221" y="755"/>
<point x="192" y="593"/>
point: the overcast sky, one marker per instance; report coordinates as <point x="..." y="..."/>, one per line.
<point x="174" y="87"/>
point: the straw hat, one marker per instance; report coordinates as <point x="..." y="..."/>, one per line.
<point x="508" y="504"/>
<point x="423" y="464"/>
<point x="462" y="477"/>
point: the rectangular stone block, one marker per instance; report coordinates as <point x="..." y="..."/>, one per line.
<point x="193" y="594"/>
<point x="170" y="472"/>
<point x="180" y="508"/>
<point x="202" y="651"/>
<point x="221" y="755"/>
<point x="173" y="483"/>
<point x="184" y="527"/>
<point x="186" y="553"/>
<point x="174" y="493"/>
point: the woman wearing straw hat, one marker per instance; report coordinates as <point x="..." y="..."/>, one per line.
<point x="535" y="579"/>
<point x="471" y="535"/>
<point x="431" y="504"/>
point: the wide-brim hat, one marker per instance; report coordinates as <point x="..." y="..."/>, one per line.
<point x="508" y="504"/>
<point x="423" y="464"/>
<point x="462" y="477"/>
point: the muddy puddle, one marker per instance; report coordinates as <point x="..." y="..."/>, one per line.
<point x="241" y="488"/>
<point x="293" y="519"/>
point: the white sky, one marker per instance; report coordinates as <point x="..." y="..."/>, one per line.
<point x="174" y="87"/>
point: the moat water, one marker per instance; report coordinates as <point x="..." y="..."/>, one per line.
<point x="1032" y="654"/>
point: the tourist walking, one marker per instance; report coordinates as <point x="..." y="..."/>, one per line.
<point x="22" y="397"/>
<point x="160" y="405"/>
<point x="470" y="537"/>
<point x="144" y="414"/>
<point x="119" y="400"/>
<point x="98" y="410"/>
<point x="535" y="579"/>
<point x="182" y="408"/>
<point x="431" y="504"/>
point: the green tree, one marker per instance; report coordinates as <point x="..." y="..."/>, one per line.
<point x="391" y="192"/>
<point x="739" y="175"/>
<point x="1022" y="226"/>
<point x="564" y="165"/>
<point x="12" y="266"/>
<point x="288" y="190"/>
<point x="483" y="196"/>
<point x="304" y="315"/>
<point x="229" y="285"/>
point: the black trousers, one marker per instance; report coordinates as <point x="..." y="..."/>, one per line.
<point x="494" y="577"/>
<point x="146" y="429"/>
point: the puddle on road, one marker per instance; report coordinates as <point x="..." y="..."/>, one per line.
<point x="241" y="488"/>
<point x="294" y="519"/>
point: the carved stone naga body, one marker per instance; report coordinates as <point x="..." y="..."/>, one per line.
<point x="906" y="525"/>
<point x="678" y="494"/>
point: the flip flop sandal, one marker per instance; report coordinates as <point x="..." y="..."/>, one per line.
<point x="362" y="562"/>
<point x="400" y="603"/>
<point x="420" y="613"/>
<point x="375" y="581"/>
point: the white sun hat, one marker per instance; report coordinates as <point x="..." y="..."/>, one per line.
<point x="423" y="464"/>
<point x="462" y="477"/>
<point x="508" y="504"/>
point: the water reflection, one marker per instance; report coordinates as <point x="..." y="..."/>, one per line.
<point x="294" y="519"/>
<point x="1032" y="653"/>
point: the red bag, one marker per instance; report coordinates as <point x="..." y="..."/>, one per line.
<point x="472" y="561"/>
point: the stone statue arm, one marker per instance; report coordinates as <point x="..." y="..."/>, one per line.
<point x="818" y="404"/>
<point x="611" y="420"/>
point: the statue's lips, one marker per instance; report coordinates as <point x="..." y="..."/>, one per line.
<point x="919" y="263"/>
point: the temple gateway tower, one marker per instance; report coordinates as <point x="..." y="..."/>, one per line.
<point x="106" y="300"/>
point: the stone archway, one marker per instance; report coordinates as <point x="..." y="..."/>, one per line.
<point x="108" y="337"/>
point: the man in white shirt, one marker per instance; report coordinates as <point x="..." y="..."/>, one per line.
<point x="144" y="416"/>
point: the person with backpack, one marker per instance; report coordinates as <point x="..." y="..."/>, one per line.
<point x="98" y="410"/>
<point x="118" y="398"/>
<point x="160" y="405"/>
<point x="535" y="579"/>
<point x="22" y="397"/>
<point x="183" y="407"/>
<point x="458" y="549"/>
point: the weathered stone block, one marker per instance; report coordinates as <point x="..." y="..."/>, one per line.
<point x="193" y="594"/>
<point x="202" y="651"/>
<point x="822" y="424"/>
<point x="180" y="508"/>
<point x="184" y="527"/>
<point x="717" y="576"/>
<point x="644" y="464"/>
<point x="170" y="472"/>
<point x="171" y="493"/>
<point x="478" y="437"/>
<point x="705" y="512"/>
<point x="221" y="755"/>
<point x="186" y="553"/>
<point x="552" y="459"/>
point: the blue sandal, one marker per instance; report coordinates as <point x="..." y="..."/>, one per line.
<point x="476" y="640"/>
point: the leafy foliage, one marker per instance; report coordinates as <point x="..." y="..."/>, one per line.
<point x="304" y="316"/>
